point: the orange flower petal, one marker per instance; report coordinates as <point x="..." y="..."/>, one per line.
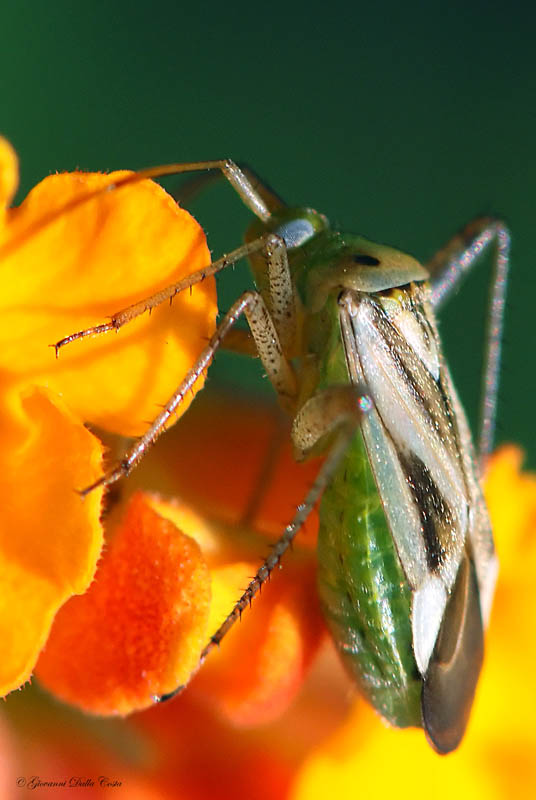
<point x="265" y="482"/>
<point x="261" y="664"/>
<point x="139" y="629"/>
<point x="50" y="539"/>
<point x="67" y="266"/>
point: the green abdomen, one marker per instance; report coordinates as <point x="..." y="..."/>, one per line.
<point x="362" y="587"/>
<point x="364" y="593"/>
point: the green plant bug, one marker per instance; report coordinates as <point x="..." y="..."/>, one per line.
<point x="346" y="332"/>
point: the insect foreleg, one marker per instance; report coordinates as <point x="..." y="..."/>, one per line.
<point x="129" y="313"/>
<point x="188" y="189"/>
<point x="281" y="296"/>
<point x="251" y="196"/>
<point x="447" y="268"/>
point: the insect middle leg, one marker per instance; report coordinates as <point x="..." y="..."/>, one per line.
<point x="447" y="268"/>
<point x="276" y="364"/>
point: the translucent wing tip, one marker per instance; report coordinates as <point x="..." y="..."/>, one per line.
<point x="450" y="682"/>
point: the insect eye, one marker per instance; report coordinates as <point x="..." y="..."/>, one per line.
<point x="365" y="260"/>
<point x="296" y="232"/>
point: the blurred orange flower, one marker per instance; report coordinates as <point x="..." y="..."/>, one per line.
<point x="69" y="236"/>
<point x="161" y="590"/>
<point x="272" y="714"/>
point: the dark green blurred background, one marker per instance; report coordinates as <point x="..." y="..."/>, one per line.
<point x="398" y="121"/>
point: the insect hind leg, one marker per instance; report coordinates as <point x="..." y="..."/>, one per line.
<point x="344" y="407"/>
<point x="447" y="269"/>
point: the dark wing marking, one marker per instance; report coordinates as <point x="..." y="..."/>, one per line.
<point x="414" y="413"/>
<point x="434" y="511"/>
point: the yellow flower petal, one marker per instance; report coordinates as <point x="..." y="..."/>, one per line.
<point x="511" y="499"/>
<point x="383" y="762"/>
<point x="9" y="174"/>
<point x="67" y="266"/>
<point x="50" y="539"/>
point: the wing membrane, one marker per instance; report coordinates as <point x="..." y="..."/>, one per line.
<point x="419" y="446"/>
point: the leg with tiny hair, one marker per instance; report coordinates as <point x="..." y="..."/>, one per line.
<point x="281" y="296"/>
<point x="447" y="269"/>
<point x="195" y="184"/>
<point x="251" y="193"/>
<point x="258" y="198"/>
<point x="277" y="367"/>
